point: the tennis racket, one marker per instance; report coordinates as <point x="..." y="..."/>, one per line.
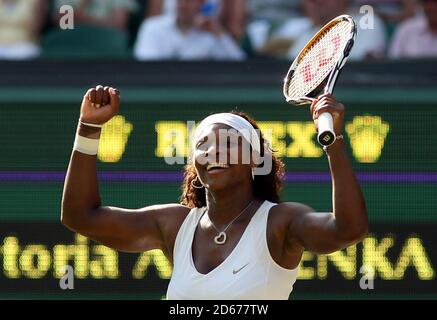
<point x="317" y="67"/>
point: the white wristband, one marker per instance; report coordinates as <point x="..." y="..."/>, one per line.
<point x="86" y="145"/>
<point x="92" y="124"/>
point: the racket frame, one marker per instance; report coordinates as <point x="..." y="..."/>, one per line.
<point x="333" y="75"/>
<point x="326" y="135"/>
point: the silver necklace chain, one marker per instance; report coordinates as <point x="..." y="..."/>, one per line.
<point x="222" y="236"/>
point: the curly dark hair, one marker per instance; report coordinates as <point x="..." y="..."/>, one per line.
<point x="265" y="187"/>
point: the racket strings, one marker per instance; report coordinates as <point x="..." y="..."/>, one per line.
<point x="318" y="60"/>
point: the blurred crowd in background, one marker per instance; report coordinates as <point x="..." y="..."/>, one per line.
<point x="209" y="29"/>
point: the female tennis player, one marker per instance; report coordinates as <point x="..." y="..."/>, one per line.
<point x="230" y="237"/>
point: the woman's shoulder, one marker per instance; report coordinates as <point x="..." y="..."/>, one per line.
<point x="172" y="214"/>
<point x="285" y="211"/>
<point x="171" y="208"/>
<point x="293" y="206"/>
<point x="170" y="218"/>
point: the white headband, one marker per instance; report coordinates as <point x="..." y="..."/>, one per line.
<point x="234" y="121"/>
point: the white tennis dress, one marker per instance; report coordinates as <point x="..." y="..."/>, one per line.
<point x="249" y="272"/>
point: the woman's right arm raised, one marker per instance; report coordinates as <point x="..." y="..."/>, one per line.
<point x="153" y="227"/>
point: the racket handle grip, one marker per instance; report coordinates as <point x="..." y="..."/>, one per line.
<point x="326" y="135"/>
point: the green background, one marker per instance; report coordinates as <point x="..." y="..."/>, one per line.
<point x="37" y="129"/>
<point x="388" y="202"/>
<point x="40" y="136"/>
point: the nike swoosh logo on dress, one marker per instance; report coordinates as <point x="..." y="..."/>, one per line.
<point x="235" y="271"/>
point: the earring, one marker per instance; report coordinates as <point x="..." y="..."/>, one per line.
<point x="253" y="174"/>
<point x="194" y="185"/>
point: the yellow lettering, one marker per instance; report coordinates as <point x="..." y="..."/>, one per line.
<point x="35" y="261"/>
<point x="10" y="250"/>
<point x="79" y="252"/>
<point x="374" y="256"/>
<point x="106" y="264"/>
<point x="302" y="145"/>
<point x="345" y="261"/>
<point x="155" y="257"/>
<point x="306" y="273"/>
<point x="414" y="254"/>
<point x="172" y="139"/>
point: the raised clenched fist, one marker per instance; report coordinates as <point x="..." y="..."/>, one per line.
<point x="99" y="105"/>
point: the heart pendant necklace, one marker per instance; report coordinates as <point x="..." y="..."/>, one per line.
<point x="222" y="236"/>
